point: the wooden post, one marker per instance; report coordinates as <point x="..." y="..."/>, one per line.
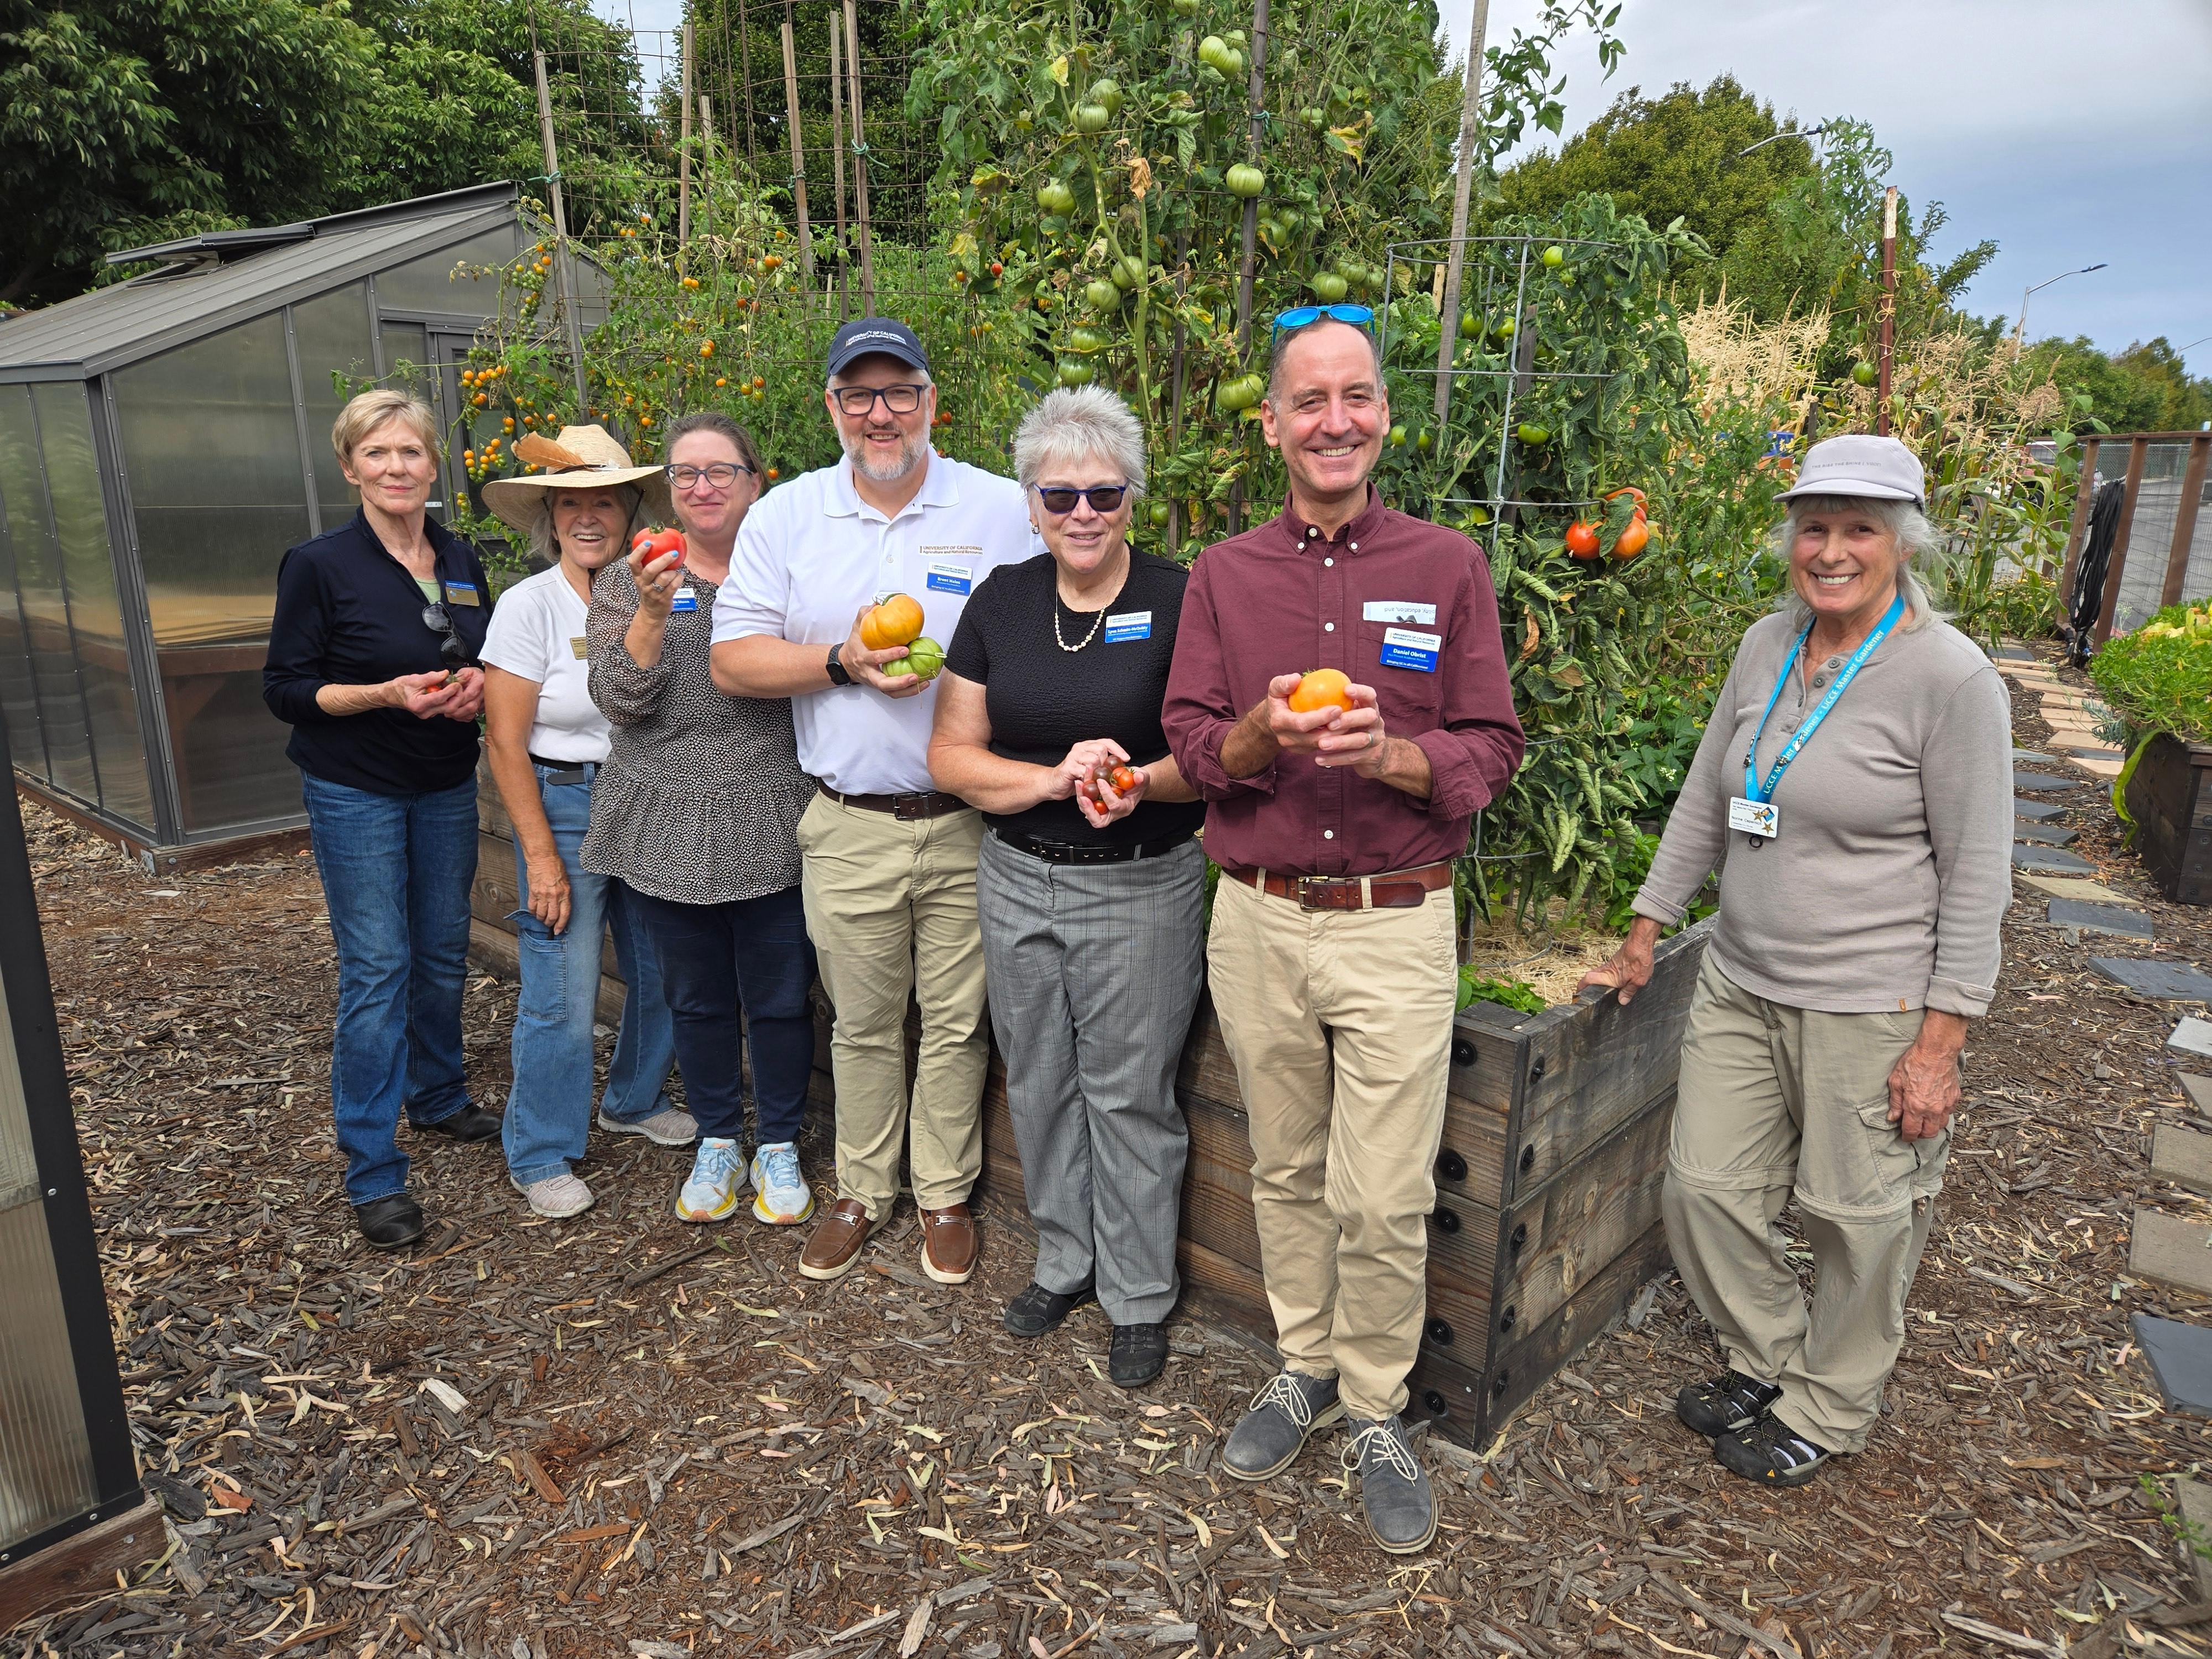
<point x="705" y="165"/>
<point x="798" y="154"/>
<point x="837" y="162"/>
<point x="1255" y="91"/>
<point x="2138" y="451"/>
<point x="1470" y="123"/>
<point x="1889" y="308"/>
<point x="746" y="58"/>
<point x="571" y="326"/>
<point x="2085" y="497"/>
<point x="683" y="146"/>
<point x="859" y="162"/>
<point x="2184" y="519"/>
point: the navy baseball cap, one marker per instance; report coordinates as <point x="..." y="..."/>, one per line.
<point x="865" y="336"/>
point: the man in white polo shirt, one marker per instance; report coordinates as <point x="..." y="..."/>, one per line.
<point x="889" y="863"/>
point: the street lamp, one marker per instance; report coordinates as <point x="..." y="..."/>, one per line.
<point x="1791" y="132"/>
<point x="2020" y="329"/>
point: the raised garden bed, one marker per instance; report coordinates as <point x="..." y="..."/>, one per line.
<point x="2169" y="795"/>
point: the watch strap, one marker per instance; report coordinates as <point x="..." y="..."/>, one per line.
<point x="839" y="674"/>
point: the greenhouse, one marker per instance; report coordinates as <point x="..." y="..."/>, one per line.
<point x="162" y="442"/>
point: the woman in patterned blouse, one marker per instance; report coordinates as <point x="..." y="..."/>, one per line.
<point x="696" y="809"/>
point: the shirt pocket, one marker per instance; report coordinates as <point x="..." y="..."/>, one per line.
<point x="1388" y="654"/>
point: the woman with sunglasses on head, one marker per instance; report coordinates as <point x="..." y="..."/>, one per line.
<point x="1089" y="887"/>
<point x="697" y="811"/>
<point x="372" y="654"/>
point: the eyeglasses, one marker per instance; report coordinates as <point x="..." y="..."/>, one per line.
<point x="1301" y="316"/>
<point x="1104" y="499"/>
<point x="440" y="620"/>
<point x="901" y="400"/>
<point x="720" y="474"/>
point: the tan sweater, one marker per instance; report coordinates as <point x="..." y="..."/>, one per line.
<point x="1894" y="866"/>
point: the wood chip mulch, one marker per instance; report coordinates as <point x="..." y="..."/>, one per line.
<point x="621" y="1436"/>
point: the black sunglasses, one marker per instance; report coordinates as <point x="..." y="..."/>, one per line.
<point x="1103" y="498"/>
<point x="440" y="620"/>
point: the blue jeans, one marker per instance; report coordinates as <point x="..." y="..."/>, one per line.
<point x="549" y="1112"/>
<point x="396" y="873"/>
<point x="749" y="957"/>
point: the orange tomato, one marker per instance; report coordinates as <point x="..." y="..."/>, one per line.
<point x="1321" y="688"/>
<point x="1632" y="540"/>
<point x="896" y="621"/>
<point x="1581" y="540"/>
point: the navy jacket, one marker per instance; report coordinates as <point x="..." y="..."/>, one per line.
<point x="349" y="614"/>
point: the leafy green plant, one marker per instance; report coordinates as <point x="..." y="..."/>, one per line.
<point x="1475" y="986"/>
<point x="2159" y="678"/>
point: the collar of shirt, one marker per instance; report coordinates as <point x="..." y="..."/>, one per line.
<point x="449" y="552"/>
<point x="1297" y="533"/>
<point x="938" y="489"/>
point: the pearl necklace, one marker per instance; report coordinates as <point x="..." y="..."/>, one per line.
<point x="1097" y="617"/>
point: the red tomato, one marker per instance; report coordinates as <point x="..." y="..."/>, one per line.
<point x="1581" y="540"/>
<point x="654" y="543"/>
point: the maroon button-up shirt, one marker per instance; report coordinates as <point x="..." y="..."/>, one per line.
<point x="1398" y="604"/>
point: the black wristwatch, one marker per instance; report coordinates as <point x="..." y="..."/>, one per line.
<point x="837" y="674"/>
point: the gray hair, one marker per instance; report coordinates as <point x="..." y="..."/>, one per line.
<point x="545" y="546"/>
<point x="1082" y="423"/>
<point x="1918" y="543"/>
<point x="1279" y="348"/>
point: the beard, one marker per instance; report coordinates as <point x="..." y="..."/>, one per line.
<point x="913" y="452"/>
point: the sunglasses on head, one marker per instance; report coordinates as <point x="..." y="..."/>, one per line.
<point x="1103" y="498"/>
<point x="440" y="620"/>
<point x="1301" y="316"/>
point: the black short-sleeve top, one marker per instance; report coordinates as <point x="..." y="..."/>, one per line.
<point x="1043" y="700"/>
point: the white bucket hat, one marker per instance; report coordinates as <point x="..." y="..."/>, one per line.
<point x="582" y="458"/>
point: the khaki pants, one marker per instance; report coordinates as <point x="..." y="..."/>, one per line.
<point x="883" y="897"/>
<point x="1339" y="1024"/>
<point x="1776" y="1103"/>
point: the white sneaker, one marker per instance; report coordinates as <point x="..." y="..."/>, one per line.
<point x="781" y="1197"/>
<point x="717" y="1178"/>
<point x="557" y="1197"/>
<point x="666" y="1127"/>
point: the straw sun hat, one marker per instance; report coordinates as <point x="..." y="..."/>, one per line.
<point x="582" y="458"/>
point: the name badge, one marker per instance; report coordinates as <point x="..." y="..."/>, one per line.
<point x="949" y="579"/>
<point x="1398" y="610"/>
<point x="685" y="599"/>
<point x="1760" y="819"/>
<point x="1128" y="625"/>
<point x="462" y="593"/>
<point x="1407" y="647"/>
<point x="580" y="647"/>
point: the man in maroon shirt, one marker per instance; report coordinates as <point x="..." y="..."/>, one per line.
<point x="1331" y="957"/>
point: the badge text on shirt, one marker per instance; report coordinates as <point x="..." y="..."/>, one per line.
<point x="1398" y="610"/>
<point x="462" y="593"/>
<point x="685" y="599"/>
<point x="1407" y="648"/>
<point x="948" y="578"/>
<point x="1128" y="625"/>
<point x="579" y="647"/>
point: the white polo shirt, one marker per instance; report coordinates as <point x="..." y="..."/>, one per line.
<point x="811" y="553"/>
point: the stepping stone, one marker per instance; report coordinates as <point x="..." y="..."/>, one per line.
<point x="2029" y="756"/>
<point x="2012" y="653"/>
<point x="2097" y="753"/>
<point x="2076" y="887"/>
<point x="2102" y="768"/>
<point x="2199" y="1091"/>
<point x="2192" y="1036"/>
<point x="2168" y="982"/>
<point x="2181" y="1155"/>
<point x="2180" y="1357"/>
<point x="2045" y="834"/>
<point x="2038" y="810"/>
<point x="2098" y="919"/>
<point x="2050" y="862"/>
<point x="2042" y="782"/>
<point x="2173" y="1251"/>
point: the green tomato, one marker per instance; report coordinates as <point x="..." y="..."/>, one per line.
<point x="1235" y="38"/>
<point x="1104" y="297"/>
<point x="1159" y="513"/>
<point x="1863" y="374"/>
<point x="1092" y="118"/>
<point x="1239" y="393"/>
<point x="1127" y="272"/>
<point x="1555" y="256"/>
<point x="1086" y="341"/>
<point x="1426" y="441"/>
<point x="1056" y="197"/>
<point x="1215" y="50"/>
<point x="1186" y="8"/>
<point x="1398" y="437"/>
<point x="1107" y="92"/>
<point x="1532" y="434"/>
<point x="1235" y="65"/>
<point x="1245" y="180"/>
<point x="1470" y="326"/>
<point x="1506" y="330"/>
<point x="924" y="656"/>
<point x="1329" y="288"/>
<point x="1073" y="371"/>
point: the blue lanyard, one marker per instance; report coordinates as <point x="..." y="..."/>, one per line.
<point x="1753" y="789"/>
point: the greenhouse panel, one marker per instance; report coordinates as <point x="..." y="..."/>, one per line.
<point x="331" y="336"/>
<point x="42" y="604"/>
<point x="19" y="692"/>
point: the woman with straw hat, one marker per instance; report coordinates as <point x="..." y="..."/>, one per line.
<point x="546" y="741"/>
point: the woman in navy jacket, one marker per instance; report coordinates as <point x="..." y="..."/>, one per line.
<point x="372" y="662"/>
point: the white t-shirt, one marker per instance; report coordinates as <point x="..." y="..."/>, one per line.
<point x="538" y="633"/>
<point x="811" y="553"/>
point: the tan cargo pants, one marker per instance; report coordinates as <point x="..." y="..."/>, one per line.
<point x="1776" y="1102"/>
<point x="883" y="895"/>
<point x="1340" y="1025"/>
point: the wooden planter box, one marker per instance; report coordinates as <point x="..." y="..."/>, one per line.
<point x="2169" y="795"/>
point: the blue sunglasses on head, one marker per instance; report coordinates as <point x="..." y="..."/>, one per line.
<point x="1300" y="316"/>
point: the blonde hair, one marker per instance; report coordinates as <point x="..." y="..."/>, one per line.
<point x="372" y="409"/>
<point x="1916" y="541"/>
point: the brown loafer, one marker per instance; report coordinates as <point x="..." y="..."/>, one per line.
<point x="835" y="1244"/>
<point x="948" y="1244"/>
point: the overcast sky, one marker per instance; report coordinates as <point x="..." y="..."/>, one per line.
<point x="2068" y="132"/>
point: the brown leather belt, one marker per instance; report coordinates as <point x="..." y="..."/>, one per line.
<point x="1393" y="889"/>
<point x="925" y="804"/>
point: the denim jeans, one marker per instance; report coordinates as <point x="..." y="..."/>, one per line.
<point x="396" y="873"/>
<point x="549" y="1112"/>
<point x="749" y="957"/>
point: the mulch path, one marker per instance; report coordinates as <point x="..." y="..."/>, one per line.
<point x="621" y="1436"/>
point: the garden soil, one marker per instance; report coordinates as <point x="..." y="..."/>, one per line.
<point x="621" y="1436"/>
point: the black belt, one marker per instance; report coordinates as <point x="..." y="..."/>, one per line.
<point x="906" y="808"/>
<point x="1067" y="852"/>
<point x="565" y="771"/>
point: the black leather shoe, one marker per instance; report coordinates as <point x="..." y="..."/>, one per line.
<point x="469" y="1125"/>
<point x="390" y="1224"/>
<point x="1138" y="1355"/>
<point x="1036" y="1310"/>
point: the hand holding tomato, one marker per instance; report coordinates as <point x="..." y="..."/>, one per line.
<point x="1354" y="737"/>
<point x="1111" y="792"/>
<point x="1072" y="777"/>
<point x="658" y="575"/>
<point x="654" y="543"/>
<point x="1336" y="721"/>
<point x="428" y="696"/>
<point x="865" y="663"/>
<point x="465" y="696"/>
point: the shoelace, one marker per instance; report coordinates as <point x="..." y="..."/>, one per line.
<point x="1283" y="1392"/>
<point x="779" y="1166"/>
<point x="1393" y="1451"/>
<point x="716" y="1163"/>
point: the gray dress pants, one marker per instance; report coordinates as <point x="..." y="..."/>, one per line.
<point x="1094" y="972"/>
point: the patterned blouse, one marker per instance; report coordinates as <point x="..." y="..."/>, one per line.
<point x="699" y="799"/>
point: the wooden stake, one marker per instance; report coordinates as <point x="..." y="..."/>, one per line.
<point x="570" y="325"/>
<point x="706" y="171"/>
<point x="1255" y="91"/>
<point x="1889" y="308"/>
<point x="837" y="162"/>
<point x="798" y="153"/>
<point x="684" y="150"/>
<point x="859" y="162"/>
<point x="1470" y="124"/>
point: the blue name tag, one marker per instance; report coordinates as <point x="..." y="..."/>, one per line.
<point x="1128" y="625"/>
<point x="950" y="579"/>
<point x="462" y="593"/>
<point x="685" y="599"/>
<point x="1408" y="647"/>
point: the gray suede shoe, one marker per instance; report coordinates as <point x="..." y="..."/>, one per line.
<point x="1269" y="1437"/>
<point x="1393" y="1488"/>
